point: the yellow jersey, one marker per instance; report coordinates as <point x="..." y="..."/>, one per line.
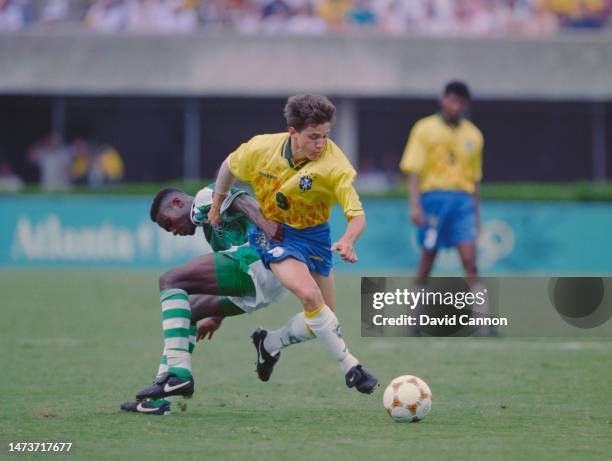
<point x="300" y="195"/>
<point x="445" y="157"/>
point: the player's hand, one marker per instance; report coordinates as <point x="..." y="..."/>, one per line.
<point x="207" y="327"/>
<point x="416" y="215"/>
<point x="345" y="250"/>
<point x="273" y="231"/>
<point x="214" y="216"/>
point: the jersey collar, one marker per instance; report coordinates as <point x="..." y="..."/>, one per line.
<point x="287" y="154"/>
<point x="450" y="125"/>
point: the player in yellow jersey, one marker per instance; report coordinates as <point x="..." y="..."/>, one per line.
<point x="297" y="176"/>
<point x="443" y="159"/>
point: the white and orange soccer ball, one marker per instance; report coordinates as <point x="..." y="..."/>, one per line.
<point x="407" y="399"/>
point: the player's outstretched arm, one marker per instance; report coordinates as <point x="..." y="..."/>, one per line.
<point x="250" y="208"/>
<point x="223" y="184"/>
<point x="344" y="246"/>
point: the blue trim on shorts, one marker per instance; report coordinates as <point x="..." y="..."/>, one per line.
<point x="450" y="219"/>
<point x="311" y="245"/>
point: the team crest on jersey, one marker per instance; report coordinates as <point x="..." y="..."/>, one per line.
<point x="469" y="145"/>
<point x="305" y="183"/>
<point x="261" y="241"/>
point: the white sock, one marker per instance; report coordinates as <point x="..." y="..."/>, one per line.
<point x="163" y="365"/>
<point x="324" y="324"/>
<point x="293" y="332"/>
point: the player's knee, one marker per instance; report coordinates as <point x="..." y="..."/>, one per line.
<point x="168" y="280"/>
<point x="310" y="296"/>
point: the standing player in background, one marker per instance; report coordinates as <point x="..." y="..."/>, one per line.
<point x="297" y="176"/>
<point x="443" y="161"/>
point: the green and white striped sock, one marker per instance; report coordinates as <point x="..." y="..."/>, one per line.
<point x="176" y="324"/>
<point x="163" y="363"/>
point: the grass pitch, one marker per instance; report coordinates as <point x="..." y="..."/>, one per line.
<point x="74" y="345"/>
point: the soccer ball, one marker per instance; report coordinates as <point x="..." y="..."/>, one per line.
<point x="407" y="399"/>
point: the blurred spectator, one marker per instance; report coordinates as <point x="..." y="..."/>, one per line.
<point x="9" y="181"/>
<point x="275" y="15"/>
<point x="81" y="160"/>
<point x="584" y="14"/>
<point x="55" y="11"/>
<point x="167" y="16"/>
<point x="305" y="21"/>
<point x="244" y="16"/>
<point x="440" y="18"/>
<point x="141" y="15"/>
<point x="278" y="8"/>
<point x="53" y="159"/>
<point x="397" y="17"/>
<point x="184" y="16"/>
<point x="106" y="166"/>
<point x="14" y="14"/>
<point x="213" y="14"/>
<point x="334" y="12"/>
<point x="394" y="17"/>
<point x="95" y="164"/>
<point x="362" y="13"/>
<point x="107" y="15"/>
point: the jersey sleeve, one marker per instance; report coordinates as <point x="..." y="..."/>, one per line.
<point x="242" y="162"/>
<point x="413" y="158"/>
<point x="227" y="203"/>
<point x="347" y="195"/>
<point x="201" y="205"/>
<point x="203" y="200"/>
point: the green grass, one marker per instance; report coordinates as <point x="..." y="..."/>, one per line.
<point x="571" y="191"/>
<point x="77" y="344"/>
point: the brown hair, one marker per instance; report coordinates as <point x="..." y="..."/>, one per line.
<point x="306" y="110"/>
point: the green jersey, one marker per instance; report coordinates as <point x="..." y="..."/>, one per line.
<point x="237" y="266"/>
<point x="235" y="226"/>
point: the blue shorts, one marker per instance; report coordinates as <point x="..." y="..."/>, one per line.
<point x="311" y="245"/>
<point x="450" y="219"/>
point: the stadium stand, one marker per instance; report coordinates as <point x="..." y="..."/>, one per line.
<point x="312" y="17"/>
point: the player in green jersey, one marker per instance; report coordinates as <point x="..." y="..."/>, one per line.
<point x="197" y="295"/>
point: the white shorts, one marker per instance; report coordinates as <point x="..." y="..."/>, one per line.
<point x="268" y="289"/>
